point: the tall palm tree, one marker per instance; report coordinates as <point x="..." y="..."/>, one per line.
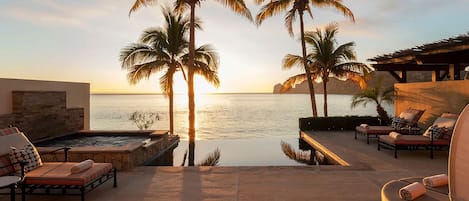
<point x="327" y="59"/>
<point x="275" y="7"/>
<point x="378" y="95"/>
<point x="238" y="6"/>
<point x="166" y="48"/>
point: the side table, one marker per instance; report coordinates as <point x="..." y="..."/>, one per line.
<point x="10" y="182"/>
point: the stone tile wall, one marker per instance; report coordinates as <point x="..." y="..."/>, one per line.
<point x="43" y="114"/>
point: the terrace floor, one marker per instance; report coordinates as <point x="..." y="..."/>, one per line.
<point x="369" y="170"/>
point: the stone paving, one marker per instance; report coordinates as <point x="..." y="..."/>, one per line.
<point x="369" y="170"/>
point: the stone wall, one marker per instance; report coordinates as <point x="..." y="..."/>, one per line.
<point x="77" y="94"/>
<point x="435" y="97"/>
<point x="43" y="114"/>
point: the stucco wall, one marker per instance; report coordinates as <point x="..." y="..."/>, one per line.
<point x="77" y="94"/>
<point x="434" y="97"/>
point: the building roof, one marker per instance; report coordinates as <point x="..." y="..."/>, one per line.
<point x="444" y="57"/>
<point x="447" y="51"/>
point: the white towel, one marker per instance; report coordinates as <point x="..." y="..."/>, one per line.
<point x="82" y="166"/>
<point x="364" y="125"/>
<point x="394" y="135"/>
<point x="435" y="180"/>
<point x="412" y="191"/>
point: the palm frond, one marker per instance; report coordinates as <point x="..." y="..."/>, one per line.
<point x="180" y="6"/>
<point x="138" y="4"/>
<point x="298" y="156"/>
<point x="292" y="81"/>
<point x="291" y="60"/>
<point x="166" y="81"/>
<point x="289" y="19"/>
<point x="145" y="70"/>
<point x="134" y="54"/>
<point x="271" y="9"/>
<point x="238" y="6"/>
<point x="337" y="4"/>
<point x="212" y="159"/>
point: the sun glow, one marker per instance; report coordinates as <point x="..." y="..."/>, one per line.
<point x="201" y="86"/>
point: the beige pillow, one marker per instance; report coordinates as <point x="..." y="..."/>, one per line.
<point x="450" y="115"/>
<point x="408" y="116"/>
<point x="442" y="123"/>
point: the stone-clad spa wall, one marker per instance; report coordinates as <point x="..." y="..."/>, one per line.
<point x="44" y="108"/>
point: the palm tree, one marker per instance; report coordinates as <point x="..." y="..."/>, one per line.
<point x="275" y="7"/>
<point x="166" y="48"/>
<point x="238" y="6"/>
<point x="327" y="60"/>
<point x="377" y="95"/>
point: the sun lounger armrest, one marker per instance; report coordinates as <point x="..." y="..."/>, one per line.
<point x="65" y="149"/>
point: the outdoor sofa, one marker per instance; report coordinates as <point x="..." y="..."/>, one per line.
<point x="406" y="122"/>
<point x="458" y="176"/>
<point x="63" y="178"/>
<point x="437" y="136"/>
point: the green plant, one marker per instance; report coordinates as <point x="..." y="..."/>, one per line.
<point x="144" y="120"/>
<point x="378" y="95"/>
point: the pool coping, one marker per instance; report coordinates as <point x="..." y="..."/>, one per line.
<point x="345" y="161"/>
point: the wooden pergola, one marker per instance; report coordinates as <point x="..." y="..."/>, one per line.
<point x="444" y="58"/>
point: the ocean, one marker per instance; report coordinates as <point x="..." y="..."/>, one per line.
<point x="247" y="128"/>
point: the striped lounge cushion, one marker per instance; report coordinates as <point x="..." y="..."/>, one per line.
<point x="59" y="174"/>
<point x="9" y="131"/>
<point x="4" y="157"/>
<point x="5" y="163"/>
<point x="29" y="154"/>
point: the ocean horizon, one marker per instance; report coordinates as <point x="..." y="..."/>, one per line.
<point x="221" y="116"/>
<point x="247" y="128"/>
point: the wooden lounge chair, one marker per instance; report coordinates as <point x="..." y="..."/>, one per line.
<point x="458" y="164"/>
<point x="51" y="177"/>
<point x="427" y="140"/>
<point x="408" y="123"/>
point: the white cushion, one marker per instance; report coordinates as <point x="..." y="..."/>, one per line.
<point x="13" y="140"/>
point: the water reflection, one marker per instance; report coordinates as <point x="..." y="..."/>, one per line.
<point x="306" y="155"/>
<point x="245" y="152"/>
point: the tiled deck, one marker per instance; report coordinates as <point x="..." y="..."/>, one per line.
<point x="369" y="170"/>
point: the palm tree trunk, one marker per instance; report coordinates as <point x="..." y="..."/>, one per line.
<point x="305" y="63"/>
<point x="324" y="85"/>
<point x="383" y="115"/>
<point x="190" y="85"/>
<point x="171" y="108"/>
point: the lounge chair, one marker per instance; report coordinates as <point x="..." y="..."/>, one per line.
<point x="436" y="136"/>
<point x="50" y="177"/>
<point x="405" y="122"/>
<point x="458" y="164"/>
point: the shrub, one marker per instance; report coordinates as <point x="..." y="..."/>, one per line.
<point x="336" y="123"/>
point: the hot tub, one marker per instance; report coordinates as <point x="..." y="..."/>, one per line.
<point x="124" y="149"/>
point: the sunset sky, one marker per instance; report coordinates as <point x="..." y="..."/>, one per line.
<point x="79" y="41"/>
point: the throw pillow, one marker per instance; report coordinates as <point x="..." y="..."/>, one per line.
<point x="437" y="132"/>
<point x="28" y="154"/>
<point x="398" y="122"/>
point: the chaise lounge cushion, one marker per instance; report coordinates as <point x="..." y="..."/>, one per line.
<point x="29" y="154"/>
<point x="11" y="139"/>
<point x="59" y="174"/>
<point x="411" y="140"/>
<point x="375" y="130"/>
<point x="442" y="123"/>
